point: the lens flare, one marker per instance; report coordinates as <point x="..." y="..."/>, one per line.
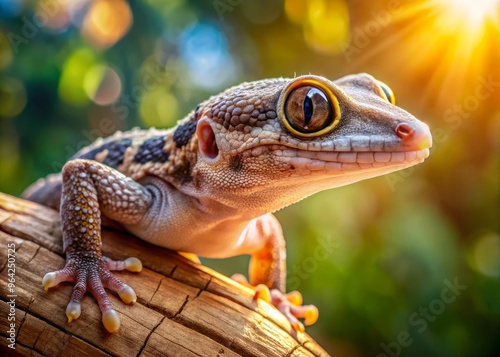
<point x="106" y="22"/>
<point x="466" y="13"/>
<point x="446" y="47"/>
<point x="462" y="38"/>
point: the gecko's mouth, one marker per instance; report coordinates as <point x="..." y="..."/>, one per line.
<point x="351" y="161"/>
<point x="334" y="169"/>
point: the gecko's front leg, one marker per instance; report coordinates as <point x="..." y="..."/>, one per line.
<point x="267" y="271"/>
<point x="90" y="188"/>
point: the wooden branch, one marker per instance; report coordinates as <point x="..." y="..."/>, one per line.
<point x="183" y="308"/>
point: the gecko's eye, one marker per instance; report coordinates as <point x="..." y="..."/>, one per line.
<point x="307" y="109"/>
<point x="387" y="93"/>
<point x="310" y="109"/>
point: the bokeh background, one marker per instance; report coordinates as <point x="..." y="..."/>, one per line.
<point x="376" y="257"/>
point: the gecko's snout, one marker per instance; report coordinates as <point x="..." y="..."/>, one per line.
<point x="415" y="136"/>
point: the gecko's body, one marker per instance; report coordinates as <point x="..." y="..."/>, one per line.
<point x="208" y="185"/>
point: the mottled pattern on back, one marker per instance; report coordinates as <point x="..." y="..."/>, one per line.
<point x="152" y="150"/>
<point x="138" y="153"/>
<point x="112" y="152"/>
<point x="184" y="132"/>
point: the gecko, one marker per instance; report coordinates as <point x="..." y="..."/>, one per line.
<point x="209" y="185"/>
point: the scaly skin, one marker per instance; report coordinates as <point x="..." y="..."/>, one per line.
<point x="209" y="185"/>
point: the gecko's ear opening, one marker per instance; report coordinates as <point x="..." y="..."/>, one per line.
<point x="206" y="139"/>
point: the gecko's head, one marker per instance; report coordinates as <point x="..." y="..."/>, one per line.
<point x="278" y="141"/>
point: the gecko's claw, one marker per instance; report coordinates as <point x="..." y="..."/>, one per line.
<point x="49" y="280"/>
<point x="73" y="311"/>
<point x="311" y="314"/>
<point x="127" y="294"/>
<point x="93" y="274"/>
<point x="133" y="264"/>
<point x="111" y="320"/>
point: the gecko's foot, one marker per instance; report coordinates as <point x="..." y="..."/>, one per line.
<point x="93" y="275"/>
<point x="289" y="304"/>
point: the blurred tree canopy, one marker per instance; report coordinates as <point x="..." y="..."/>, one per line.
<point x="407" y="264"/>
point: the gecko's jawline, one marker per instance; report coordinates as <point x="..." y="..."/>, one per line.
<point x="322" y="161"/>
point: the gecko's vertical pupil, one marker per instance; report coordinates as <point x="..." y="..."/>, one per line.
<point x="308" y="109"/>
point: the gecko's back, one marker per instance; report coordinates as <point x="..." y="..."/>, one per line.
<point x="111" y="151"/>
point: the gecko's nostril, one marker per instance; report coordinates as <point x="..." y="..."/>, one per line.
<point x="414" y="136"/>
<point x="405" y="131"/>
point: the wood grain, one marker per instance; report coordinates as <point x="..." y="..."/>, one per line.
<point x="183" y="308"/>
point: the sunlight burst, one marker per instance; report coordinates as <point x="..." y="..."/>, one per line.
<point x="472" y="14"/>
<point x="454" y="42"/>
<point x="464" y="38"/>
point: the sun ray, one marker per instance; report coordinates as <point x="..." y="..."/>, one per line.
<point x="445" y="43"/>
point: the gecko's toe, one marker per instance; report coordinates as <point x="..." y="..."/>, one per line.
<point x="67" y="274"/>
<point x="294" y="297"/>
<point x="262" y="292"/>
<point x="49" y="281"/>
<point x="73" y="311"/>
<point x="295" y="323"/>
<point x="127" y="294"/>
<point x="291" y="306"/>
<point x="311" y="315"/>
<point x="130" y="264"/>
<point x="93" y="275"/>
<point x="240" y="278"/>
<point x="111" y="320"/>
<point x="133" y="264"/>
